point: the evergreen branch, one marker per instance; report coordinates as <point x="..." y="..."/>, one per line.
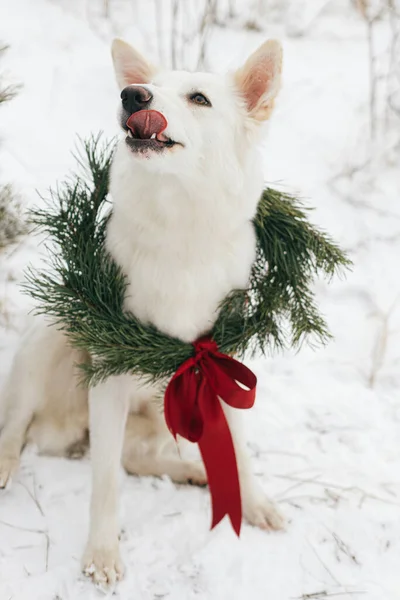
<point x="83" y="289"/>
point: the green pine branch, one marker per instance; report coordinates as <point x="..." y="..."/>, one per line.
<point x="83" y="289"/>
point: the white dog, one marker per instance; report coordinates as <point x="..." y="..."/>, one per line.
<point x="185" y="184"/>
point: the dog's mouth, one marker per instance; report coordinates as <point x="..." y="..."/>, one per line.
<point x="145" y="132"/>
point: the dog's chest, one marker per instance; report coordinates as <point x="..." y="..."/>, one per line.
<point x="177" y="276"/>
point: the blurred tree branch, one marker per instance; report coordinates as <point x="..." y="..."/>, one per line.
<point x="376" y="12"/>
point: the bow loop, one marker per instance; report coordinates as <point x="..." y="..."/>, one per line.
<point x="232" y="381"/>
<point x="193" y="410"/>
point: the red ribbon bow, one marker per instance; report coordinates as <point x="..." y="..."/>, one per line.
<point x="193" y="410"/>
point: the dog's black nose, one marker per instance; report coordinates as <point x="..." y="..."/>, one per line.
<point x="135" y="98"/>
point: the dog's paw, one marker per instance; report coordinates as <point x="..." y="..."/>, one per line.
<point x="8" y="466"/>
<point x="194" y="473"/>
<point x="103" y="566"/>
<point x="260" y="511"/>
<point x="77" y="450"/>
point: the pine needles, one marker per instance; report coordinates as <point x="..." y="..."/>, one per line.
<point x="84" y="289"/>
<point x="12" y="225"/>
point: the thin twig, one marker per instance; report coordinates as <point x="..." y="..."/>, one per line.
<point x="380" y="346"/>
<point x="323" y="564"/>
<point x="372" y="78"/>
<point x="47" y="551"/>
<point x="174" y="33"/>
<point x="292" y="500"/>
<point x="159" y="21"/>
<point x="34" y="497"/>
<point x="342" y="488"/>
<point x="295" y="486"/>
<point x="209" y="17"/>
<point x="37" y="531"/>
<point x="106" y="8"/>
<point x="344" y="548"/>
<point x="19" y="528"/>
<point x="325" y="594"/>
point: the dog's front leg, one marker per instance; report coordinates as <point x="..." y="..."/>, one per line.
<point x="108" y="406"/>
<point x="258" y="509"/>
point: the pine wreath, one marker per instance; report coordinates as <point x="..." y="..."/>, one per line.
<point x="83" y="289"/>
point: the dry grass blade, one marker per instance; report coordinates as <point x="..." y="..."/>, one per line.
<point x="324" y="594"/>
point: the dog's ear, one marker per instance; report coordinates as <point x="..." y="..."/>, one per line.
<point x="130" y="66"/>
<point x="259" y="79"/>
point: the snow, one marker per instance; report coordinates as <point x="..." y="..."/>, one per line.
<point x="325" y="431"/>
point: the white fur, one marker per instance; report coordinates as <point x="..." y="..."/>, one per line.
<point x="181" y="231"/>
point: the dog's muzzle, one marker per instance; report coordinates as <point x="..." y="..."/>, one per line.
<point x="144" y="126"/>
<point x="145" y="131"/>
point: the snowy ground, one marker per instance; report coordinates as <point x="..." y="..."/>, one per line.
<point x="325" y="432"/>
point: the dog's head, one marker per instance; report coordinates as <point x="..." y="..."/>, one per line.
<point x="182" y="123"/>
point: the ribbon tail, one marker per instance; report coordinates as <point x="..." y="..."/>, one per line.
<point x="218" y="454"/>
<point x="180" y="406"/>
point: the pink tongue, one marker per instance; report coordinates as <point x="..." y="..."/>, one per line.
<point x="145" y="123"/>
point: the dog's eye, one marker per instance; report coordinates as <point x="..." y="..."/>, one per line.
<point x="200" y="99"/>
